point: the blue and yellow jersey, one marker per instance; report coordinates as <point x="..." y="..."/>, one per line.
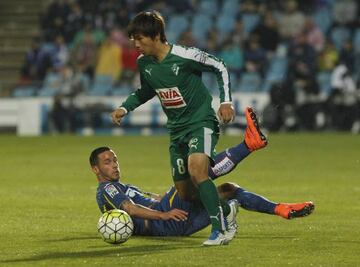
<point x="110" y="195"/>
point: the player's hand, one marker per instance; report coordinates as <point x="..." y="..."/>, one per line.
<point x="226" y="113"/>
<point x="175" y="214"/>
<point x="117" y="115"/>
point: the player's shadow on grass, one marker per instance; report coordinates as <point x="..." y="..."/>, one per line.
<point x="127" y="250"/>
<point x="123" y="250"/>
<point x="73" y="238"/>
<point x="264" y="236"/>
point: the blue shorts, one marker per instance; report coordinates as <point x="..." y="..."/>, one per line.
<point x="198" y="218"/>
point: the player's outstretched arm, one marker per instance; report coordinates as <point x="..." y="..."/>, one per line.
<point x="140" y="211"/>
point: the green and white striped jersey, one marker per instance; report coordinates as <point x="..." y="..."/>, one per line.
<point x="176" y="81"/>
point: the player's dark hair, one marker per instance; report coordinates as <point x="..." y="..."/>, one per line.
<point x="94" y="154"/>
<point x="149" y="24"/>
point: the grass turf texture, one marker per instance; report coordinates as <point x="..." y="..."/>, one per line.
<point x="49" y="214"/>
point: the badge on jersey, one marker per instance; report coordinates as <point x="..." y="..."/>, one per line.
<point x="111" y="190"/>
<point x="171" y="97"/>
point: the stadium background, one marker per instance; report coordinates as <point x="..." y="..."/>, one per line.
<point x="65" y="64"/>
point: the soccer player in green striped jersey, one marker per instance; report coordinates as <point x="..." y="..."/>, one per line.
<point x="173" y="74"/>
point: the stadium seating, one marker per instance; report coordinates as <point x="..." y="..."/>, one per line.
<point x="250" y="21"/>
<point x="323" y="19"/>
<point x="24" y="91"/>
<point x="250" y="82"/>
<point x="339" y="35"/>
<point x="177" y="24"/>
<point x="201" y="24"/>
<point x="225" y="24"/>
<point x="230" y="7"/>
<point x="121" y="90"/>
<point x="52" y="85"/>
<point x="209" y="7"/>
<point x="356" y="41"/>
<point x="102" y="85"/>
<point x="276" y="72"/>
<point x="323" y="79"/>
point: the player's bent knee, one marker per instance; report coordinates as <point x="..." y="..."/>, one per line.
<point x="198" y="165"/>
<point x="198" y="173"/>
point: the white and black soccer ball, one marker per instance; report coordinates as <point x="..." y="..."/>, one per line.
<point x="115" y="226"/>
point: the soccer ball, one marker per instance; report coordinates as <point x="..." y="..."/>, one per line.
<point x="115" y="226"/>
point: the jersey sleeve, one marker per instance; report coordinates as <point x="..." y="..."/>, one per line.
<point x="114" y="196"/>
<point x="141" y="95"/>
<point x="204" y="62"/>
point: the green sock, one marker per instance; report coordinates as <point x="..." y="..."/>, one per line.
<point x="210" y="199"/>
<point x="225" y="206"/>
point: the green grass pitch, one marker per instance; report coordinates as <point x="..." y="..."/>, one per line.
<point x="49" y="213"/>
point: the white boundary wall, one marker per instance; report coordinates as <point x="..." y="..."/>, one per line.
<point x="27" y="114"/>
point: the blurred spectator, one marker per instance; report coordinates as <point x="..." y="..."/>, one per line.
<point x="129" y="58"/>
<point x="314" y="35"/>
<point x="267" y="33"/>
<point x="108" y="12"/>
<point x="303" y="63"/>
<point x="308" y="105"/>
<point x="249" y="6"/>
<point x="181" y="7"/>
<point x="187" y="39"/>
<point x="73" y="81"/>
<point x="118" y="36"/>
<point x="74" y="22"/>
<point x="65" y="118"/>
<point x="347" y="55"/>
<point x="37" y="62"/>
<point x="291" y="21"/>
<point x="97" y="34"/>
<point x="59" y="114"/>
<point x="342" y="103"/>
<point x="109" y="59"/>
<point x="238" y="36"/>
<point x="328" y="58"/>
<point x="213" y="41"/>
<point x="345" y="12"/>
<point x="54" y="19"/>
<point x="279" y="114"/>
<point x="232" y="56"/>
<point x="122" y="17"/>
<point x="60" y="53"/>
<point x="84" y="54"/>
<point x="255" y="57"/>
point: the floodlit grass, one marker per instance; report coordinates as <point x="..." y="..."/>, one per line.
<point x="49" y="213"/>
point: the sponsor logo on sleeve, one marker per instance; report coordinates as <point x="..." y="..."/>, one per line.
<point x="111" y="190"/>
<point x="201" y="56"/>
<point x="171" y="97"/>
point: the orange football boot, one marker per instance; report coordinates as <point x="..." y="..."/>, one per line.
<point x="293" y="210"/>
<point x="254" y="138"/>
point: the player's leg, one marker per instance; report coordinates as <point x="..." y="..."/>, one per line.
<point x="198" y="166"/>
<point x="178" y="159"/>
<point x="227" y="160"/>
<point x="201" y="143"/>
<point x="253" y="202"/>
